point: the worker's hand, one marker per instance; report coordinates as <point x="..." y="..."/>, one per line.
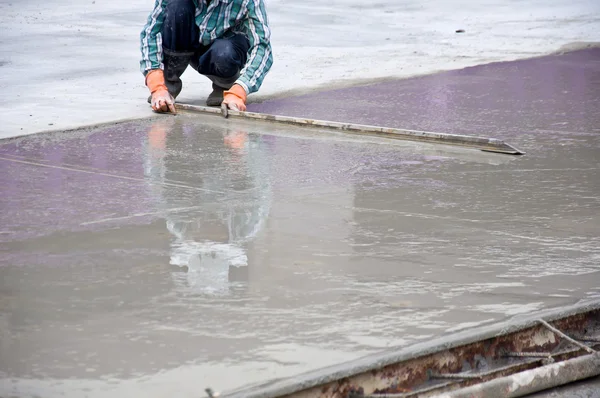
<point x="235" y="98"/>
<point x="161" y="100"/>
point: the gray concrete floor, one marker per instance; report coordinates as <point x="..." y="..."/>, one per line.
<point x="164" y="256"/>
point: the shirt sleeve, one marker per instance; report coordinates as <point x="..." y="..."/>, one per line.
<point x="151" y="39"/>
<point x="260" y="56"/>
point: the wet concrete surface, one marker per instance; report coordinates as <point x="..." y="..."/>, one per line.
<point x="167" y="255"/>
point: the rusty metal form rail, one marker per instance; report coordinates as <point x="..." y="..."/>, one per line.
<point x="534" y="380"/>
<point x="524" y="383"/>
<point x="512" y="358"/>
<point x="481" y="143"/>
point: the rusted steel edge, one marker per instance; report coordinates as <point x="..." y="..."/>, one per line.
<point x="564" y="336"/>
<point x="481" y="143"/>
<point x="534" y="380"/>
<point x="283" y="387"/>
<point x="526" y="382"/>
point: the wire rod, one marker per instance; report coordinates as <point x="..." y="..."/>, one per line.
<point x="564" y="336"/>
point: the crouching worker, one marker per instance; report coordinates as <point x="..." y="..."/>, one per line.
<point x="227" y="41"/>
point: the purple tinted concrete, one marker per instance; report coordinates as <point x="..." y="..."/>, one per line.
<point x="503" y="100"/>
<point x="71" y="196"/>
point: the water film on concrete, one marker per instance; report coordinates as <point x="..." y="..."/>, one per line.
<point x="172" y="254"/>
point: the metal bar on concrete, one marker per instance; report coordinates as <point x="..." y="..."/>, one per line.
<point x="481" y="143"/>
<point x="529" y="354"/>
<point x="456" y="376"/>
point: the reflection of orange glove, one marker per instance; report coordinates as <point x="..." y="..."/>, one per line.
<point x="236" y="140"/>
<point x="157" y="137"/>
<point x="161" y="101"/>
<point x="235" y="98"/>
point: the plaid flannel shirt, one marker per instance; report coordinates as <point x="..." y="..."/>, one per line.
<point x="217" y="20"/>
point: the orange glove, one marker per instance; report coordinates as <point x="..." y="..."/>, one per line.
<point x="235" y="98"/>
<point x="161" y="101"/>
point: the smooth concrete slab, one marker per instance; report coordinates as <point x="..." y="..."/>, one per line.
<point x="65" y="64"/>
<point x="168" y="255"/>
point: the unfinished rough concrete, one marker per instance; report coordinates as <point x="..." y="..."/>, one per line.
<point x="67" y="63"/>
<point x="164" y="256"/>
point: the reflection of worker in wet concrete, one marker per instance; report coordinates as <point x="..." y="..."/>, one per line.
<point x="219" y="204"/>
<point x="228" y="41"/>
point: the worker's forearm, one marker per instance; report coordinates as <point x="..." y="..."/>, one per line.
<point x="260" y="58"/>
<point x="256" y="69"/>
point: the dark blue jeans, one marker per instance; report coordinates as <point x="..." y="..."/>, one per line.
<point x="221" y="61"/>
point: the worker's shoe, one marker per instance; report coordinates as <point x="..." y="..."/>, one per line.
<point x="175" y="64"/>
<point x="219" y="85"/>
<point x="216" y="97"/>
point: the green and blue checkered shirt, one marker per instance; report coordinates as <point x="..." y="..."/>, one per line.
<point x="217" y="20"/>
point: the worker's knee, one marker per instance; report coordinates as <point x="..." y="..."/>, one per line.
<point x="225" y="58"/>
